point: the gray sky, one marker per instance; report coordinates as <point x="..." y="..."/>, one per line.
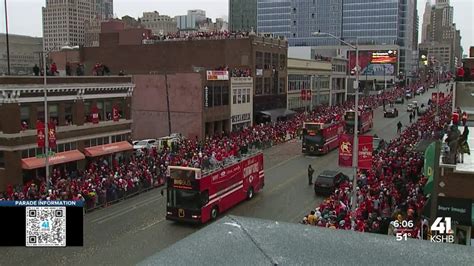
<point x="24" y="16"/>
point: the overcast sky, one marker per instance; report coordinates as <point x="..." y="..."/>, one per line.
<point x="24" y="16"/>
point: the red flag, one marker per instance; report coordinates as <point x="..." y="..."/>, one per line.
<point x="40" y="134"/>
<point x="52" y="135"/>
<point x="345" y="150"/>
<point x="115" y="114"/>
<point x="366" y="147"/>
<point x="303" y="94"/>
<point x="95" y="114"/>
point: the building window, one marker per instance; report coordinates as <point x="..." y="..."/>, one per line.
<point x="234" y="97"/>
<point x="266" y="86"/>
<point x="25" y="118"/>
<point x="225" y="95"/>
<point x="239" y="96"/>
<point x="68" y="114"/>
<point x="40" y="113"/>
<point x="53" y="113"/>
<point x="248" y="95"/>
<point x="217" y="91"/>
<point x="281" y="86"/>
<point x="108" y="110"/>
<point x="282" y="61"/>
<point x="259" y="86"/>
<point x="87" y="112"/>
<point x="2" y="159"/>
<point x="258" y="60"/>
<point x="267" y="60"/>
<point x="275" y="61"/>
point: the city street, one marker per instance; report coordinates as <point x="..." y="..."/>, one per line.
<point x="132" y="230"/>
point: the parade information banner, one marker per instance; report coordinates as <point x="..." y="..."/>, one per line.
<point x="56" y="223"/>
<point x="217" y="75"/>
<point x="365" y="150"/>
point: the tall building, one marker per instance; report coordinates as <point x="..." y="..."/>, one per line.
<point x="243" y="15"/>
<point x="441" y="31"/>
<point x="158" y="24"/>
<point x="24" y="54"/>
<point x="426" y="21"/>
<point x="191" y="20"/>
<point x="374" y="22"/>
<point x="63" y="20"/>
<point x="297" y="20"/>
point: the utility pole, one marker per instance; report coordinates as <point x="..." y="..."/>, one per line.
<point x="168" y="104"/>
<point x="7" y="39"/>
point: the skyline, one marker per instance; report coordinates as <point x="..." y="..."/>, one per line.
<point x="19" y="9"/>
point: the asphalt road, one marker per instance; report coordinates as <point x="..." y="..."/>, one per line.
<point x="128" y="232"/>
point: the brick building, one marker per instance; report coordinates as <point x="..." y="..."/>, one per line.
<point x="264" y="57"/>
<point x="70" y="105"/>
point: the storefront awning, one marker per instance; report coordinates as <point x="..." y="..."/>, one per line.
<point x="108" y="149"/>
<point x="58" y="158"/>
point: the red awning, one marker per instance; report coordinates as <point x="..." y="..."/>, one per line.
<point x="58" y="158"/>
<point x="108" y="149"/>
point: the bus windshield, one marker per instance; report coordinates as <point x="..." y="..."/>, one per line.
<point x="185" y="199"/>
<point x="314" y="139"/>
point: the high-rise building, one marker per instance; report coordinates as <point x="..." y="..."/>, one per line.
<point x="373" y="22"/>
<point x="441" y="31"/>
<point x="63" y="20"/>
<point x="192" y="20"/>
<point x="243" y="15"/>
<point x="426" y="21"/>
<point x="158" y="24"/>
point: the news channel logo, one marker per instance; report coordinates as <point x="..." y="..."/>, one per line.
<point x="441" y="230"/>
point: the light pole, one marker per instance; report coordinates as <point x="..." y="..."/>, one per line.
<point x="355" y="148"/>
<point x="7" y="39"/>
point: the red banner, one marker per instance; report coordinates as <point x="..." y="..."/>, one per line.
<point x="366" y="147"/>
<point x="115" y="113"/>
<point x="95" y="114"/>
<point x="40" y="135"/>
<point x="303" y="94"/>
<point x="345" y="150"/>
<point x="52" y="135"/>
<point x="308" y="95"/>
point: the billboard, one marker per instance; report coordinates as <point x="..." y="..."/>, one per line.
<point x="217" y="75"/>
<point x="375" y="62"/>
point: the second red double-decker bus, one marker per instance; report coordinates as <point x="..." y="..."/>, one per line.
<point x="366" y="120"/>
<point x="320" y="138"/>
<point x="195" y="195"/>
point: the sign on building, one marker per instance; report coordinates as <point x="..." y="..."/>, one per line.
<point x="217" y="75"/>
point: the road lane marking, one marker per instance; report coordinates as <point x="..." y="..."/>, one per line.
<point x="150" y="225"/>
<point x="122" y="212"/>
<point x="283" y="162"/>
<point x="121" y="209"/>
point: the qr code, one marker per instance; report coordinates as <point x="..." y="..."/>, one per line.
<point x="45" y="226"/>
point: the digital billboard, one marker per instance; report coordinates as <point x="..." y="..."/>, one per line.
<point x="375" y="62"/>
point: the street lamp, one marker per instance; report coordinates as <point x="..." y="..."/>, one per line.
<point x="355" y="149"/>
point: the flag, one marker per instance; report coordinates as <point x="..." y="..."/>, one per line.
<point x="428" y="170"/>
<point x="345" y="150"/>
<point x="52" y="135"/>
<point x="366" y="147"/>
<point x="115" y="113"/>
<point x="95" y="114"/>
<point x="40" y="134"/>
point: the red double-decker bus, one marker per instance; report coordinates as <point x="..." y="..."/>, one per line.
<point x="320" y="138"/>
<point x="195" y="195"/>
<point x="366" y="120"/>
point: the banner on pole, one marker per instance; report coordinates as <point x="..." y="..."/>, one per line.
<point x="345" y="150"/>
<point x="40" y="134"/>
<point x="52" y="135"/>
<point x="366" y="147"/>
<point x="95" y="114"/>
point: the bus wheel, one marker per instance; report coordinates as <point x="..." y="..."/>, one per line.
<point x="214" y="213"/>
<point x="250" y="193"/>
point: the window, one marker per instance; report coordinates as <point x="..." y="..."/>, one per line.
<point x="275" y="61"/>
<point x="2" y="159"/>
<point x="282" y="61"/>
<point x="53" y="113"/>
<point x="281" y="86"/>
<point x="266" y="86"/>
<point x="259" y="60"/>
<point x="25" y="118"/>
<point x="68" y="114"/>
<point x="217" y="94"/>
<point x="87" y="112"/>
<point x="234" y="96"/>
<point x="259" y="86"/>
<point x="101" y="111"/>
<point x="40" y="113"/>
<point x="225" y="95"/>
<point x="248" y="95"/>
<point x="267" y="60"/>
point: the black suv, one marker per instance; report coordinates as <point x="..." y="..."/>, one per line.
<point x="327" y="181"/>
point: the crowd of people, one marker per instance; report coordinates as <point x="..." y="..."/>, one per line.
<point x="237" y="72"/>
<point x="201" y="35"/>
<point x="104" y="180"/>
<point x="392" y="189"/>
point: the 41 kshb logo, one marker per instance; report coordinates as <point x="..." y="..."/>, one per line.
<point x="441" y="232"/>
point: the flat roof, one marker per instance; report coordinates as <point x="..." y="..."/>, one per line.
<point x="235" y="240"/>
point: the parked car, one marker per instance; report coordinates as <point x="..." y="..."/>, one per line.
<point x="327" y="181"/>
<point x="420" y="90"/>
<point x="410" y="107"/>
<point x="390" y="112"/>
<point x="400" y="100"/>
<point x="144" y="144"/>
<point x="408" y="95"/>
